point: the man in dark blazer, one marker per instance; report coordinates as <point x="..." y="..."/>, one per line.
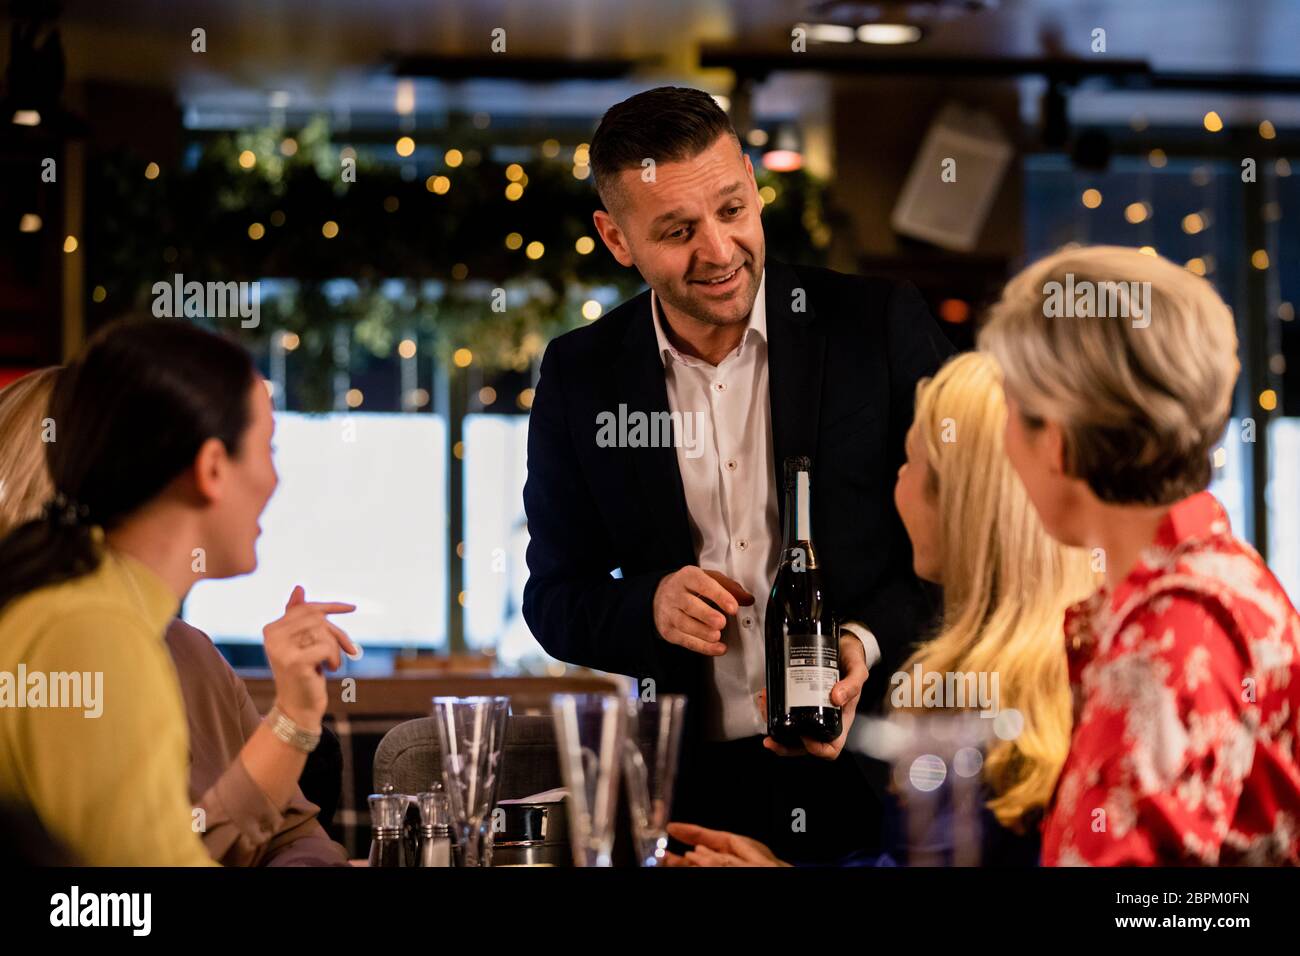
<point x="655" y="457"/>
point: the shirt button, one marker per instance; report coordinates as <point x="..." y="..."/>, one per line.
<point x="720" y="386"/>
<point x="742" y="544"/>
<point x="732" y="465"/>
<point x="747" y="622"/>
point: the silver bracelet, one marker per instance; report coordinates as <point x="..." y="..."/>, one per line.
<point x="291" y="733"/>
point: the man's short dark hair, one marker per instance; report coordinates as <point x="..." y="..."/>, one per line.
<point x="666" y="124"/>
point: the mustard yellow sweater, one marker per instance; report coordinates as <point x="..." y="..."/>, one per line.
<point x="92" y="726"/>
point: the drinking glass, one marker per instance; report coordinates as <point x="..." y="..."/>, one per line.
<point x="590" y="730"/>
<point x="471" y="732"/>
<point x="650" y="751"/>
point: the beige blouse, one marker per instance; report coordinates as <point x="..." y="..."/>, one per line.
<point x="243" y="827"/>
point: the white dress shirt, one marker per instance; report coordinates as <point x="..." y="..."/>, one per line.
<point x="729" y="479"/>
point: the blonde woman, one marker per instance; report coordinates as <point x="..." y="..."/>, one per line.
<point x="243" y="802"/>
<point x="24" y="428"/>
<point x="1006" y="585"/>
<point x="1185" y="665"/>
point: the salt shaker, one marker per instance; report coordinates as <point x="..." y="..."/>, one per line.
<point x="435" y="829"/>
<point x="386" y="812"/>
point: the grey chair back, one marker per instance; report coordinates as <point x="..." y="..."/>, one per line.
<point x="409" y="757"/>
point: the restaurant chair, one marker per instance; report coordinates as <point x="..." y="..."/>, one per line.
<point x="408" y="757"/>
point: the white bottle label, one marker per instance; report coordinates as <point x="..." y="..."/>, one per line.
<point x="812" y="669"/>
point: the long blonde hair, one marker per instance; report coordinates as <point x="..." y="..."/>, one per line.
<point x="23" y="470"/>
<point x="1006" y="583"/>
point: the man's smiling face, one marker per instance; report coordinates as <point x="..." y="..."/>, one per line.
<point x="694" y="233"/>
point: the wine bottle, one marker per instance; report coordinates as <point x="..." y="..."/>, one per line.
<point x="803" y="659"/>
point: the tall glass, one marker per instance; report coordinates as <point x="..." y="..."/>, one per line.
<point x="590" y="730"/>
<point x="471" y="732"/>
<point x="499" y="726"/>
<point x="650" y="754"/>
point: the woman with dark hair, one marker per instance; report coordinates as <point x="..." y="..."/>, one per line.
<point x="159" y="450"/>
<point x="262" y="820"/>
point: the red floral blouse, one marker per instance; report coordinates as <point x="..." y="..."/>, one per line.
<point x="1186" y="682"/>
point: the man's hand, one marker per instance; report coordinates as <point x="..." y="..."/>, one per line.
<point x="689" y="606"/>
<point x="845" y="694"/>
<point x="718" y="848"/>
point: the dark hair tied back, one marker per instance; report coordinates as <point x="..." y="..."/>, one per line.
<point x="65" y="512"/>
<point x="132" y="411"/>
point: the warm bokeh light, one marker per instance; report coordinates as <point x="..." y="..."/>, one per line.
<point x="1091" y="198"/>
<point x="1196" y="266"/>
<point x="1268" y="400"/>
<point x="256" y="230"/>
<point x="70" y="244"/>
<point x="768" y="195"/>
<point x="438" y="185"/>
<point x="514" y="240"/>
<point x="514" y="172"/>
<point x="248" y="159"/>
<point x="100" y="293"/>
<point x="783" y="160"/>
<point x="289" y="341"/>
<point x="1259" y="259"/>
<point x="584" y="245"/>
<point x="1147" y="250"/>
<point x="151" y="171"/>
<point x="525" y="399"/>
<point x="955" y="311"/>
<point x="1157" y="158"/>
<point x="406" y="348"/>
<point x="1193" y="223"/>
<point x="591" y="309"/>
<point x="330" y="229"/>
<point x="354" y="398"/>
<point x="514" y="191"/>
<point x="487" y="395"/>
<point x="453" y="158"/>
<point x="535" y="250"/>
<point x="1266" y="130"/>
<point x="463" y="358"/>
<point x="405" y="146"/>
<point x="889" y="34"/>
<point x="1213" y="122"/>
<point x="1136" y="212"/>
